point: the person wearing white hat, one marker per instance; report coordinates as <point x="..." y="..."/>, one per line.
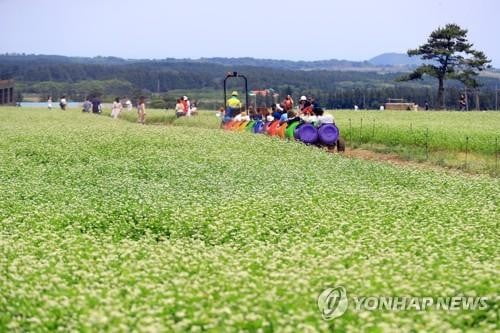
<point x="305" y="105"/>
<point x="187" y="106"/>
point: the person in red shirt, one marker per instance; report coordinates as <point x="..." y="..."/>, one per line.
<point x="186" y="104"/>
<point x="288" y="103"/>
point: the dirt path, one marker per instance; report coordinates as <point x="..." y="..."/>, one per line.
<point x="396" y="160"/>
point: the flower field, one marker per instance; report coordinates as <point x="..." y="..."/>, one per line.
<point x="468" y="141"/>
<point x="113" y="226"/>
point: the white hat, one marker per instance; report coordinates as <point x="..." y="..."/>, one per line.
<point x="185" y="98"/>
<point x="303" y="98"/>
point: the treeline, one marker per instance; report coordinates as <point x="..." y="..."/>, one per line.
<point x="76" y="78"/>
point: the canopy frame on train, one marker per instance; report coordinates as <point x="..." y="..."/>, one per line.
<point x="232" y="75"/>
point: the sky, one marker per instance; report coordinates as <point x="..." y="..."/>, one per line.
<point x="292" y="29"/>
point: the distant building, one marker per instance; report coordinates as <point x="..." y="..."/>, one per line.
<point x="7" y="92"/>
<point x="400" y="104"/>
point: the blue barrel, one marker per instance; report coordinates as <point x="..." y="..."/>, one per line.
<point x="328" y="134"/>
<point x="258" y="127"/>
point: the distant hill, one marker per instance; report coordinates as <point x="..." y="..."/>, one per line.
<point x="328" y="65"/>
<point x="395" y="59"/>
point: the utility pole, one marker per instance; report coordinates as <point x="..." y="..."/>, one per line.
<point x="478" y="106"/>
<point x="466" y="100"/>
<point x="496" y="97"/>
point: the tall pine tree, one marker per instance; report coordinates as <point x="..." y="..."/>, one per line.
<point x="449" y="55"/>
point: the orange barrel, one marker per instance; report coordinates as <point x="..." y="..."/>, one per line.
<point x="235" y="125"/>
<point x="280" y="130"/>
<point x="271" y="129"/>
<point x="227" y="126"/>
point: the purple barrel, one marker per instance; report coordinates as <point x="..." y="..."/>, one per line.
<point x="307" y="133"/>
<point x="328" y="134"/>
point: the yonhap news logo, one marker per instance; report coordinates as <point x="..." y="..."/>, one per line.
<point x="333" y="302"/>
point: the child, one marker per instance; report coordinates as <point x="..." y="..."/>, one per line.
<point x="141" y="110"/>
<point x="116" y="108"/>
<point x="179" y="108"/>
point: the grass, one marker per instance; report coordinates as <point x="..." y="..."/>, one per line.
<point x="468" y="141"/>
<point x="464" y="140"/>
<point x="113" y="226"/>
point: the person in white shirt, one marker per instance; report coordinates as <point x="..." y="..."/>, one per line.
<point x="323" y="118"/>
<point x="49" y="103"/>
<point x="63" y="103"/>
<point x="116" y="108"/>
<point x="309" y="118"/>
<point x="128" y="104"/>
<point x="245" y="116"/>
<point x="242" y="117"/>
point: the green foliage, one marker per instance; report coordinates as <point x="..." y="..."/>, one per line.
<point x="446" y="49"/>
<point x="117" y="77"/>
<point x="157" y="103"/>
<point x="447" y="130"/>
<point x="80" y="90"/>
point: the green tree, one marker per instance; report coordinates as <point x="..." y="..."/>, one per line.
<point x="448" y="55"/>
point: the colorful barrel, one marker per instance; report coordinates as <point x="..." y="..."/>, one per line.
<point x="328" y="134"/>
<point x="228" y="125"/>
<point x="258" y="127"/>
<point x="271" y="128"/>
<point x="296" y="131"/>
<point x="249" y="127"/>
<point x="280" y="130"/>
<point x="291" y="129"/>
<point x="307" y="133"/>
<point x="266" y="127"/>
<point x="235" y="125"/>
<point x="242" y="126"/>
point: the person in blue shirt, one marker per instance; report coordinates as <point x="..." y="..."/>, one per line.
<point x="275" y="112"/>
<point x="284" y="117"/>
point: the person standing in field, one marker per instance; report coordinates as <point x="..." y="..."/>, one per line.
<point x="179" y="108"/>
<point x="141" y="110"/>
<point x="128" y="104"/>
<point x="116" y="108"/>
<point x="193" y="108"/>
<point x="49" y="103"/>
<point x="63" y="103"/>
<point x="187" y="106"/>
<point x="96" y="105"/>
<point x="87" y="105"/>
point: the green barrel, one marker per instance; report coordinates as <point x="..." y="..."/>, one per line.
<point x="291" y="129"/>
<point x="250" y="125"/>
